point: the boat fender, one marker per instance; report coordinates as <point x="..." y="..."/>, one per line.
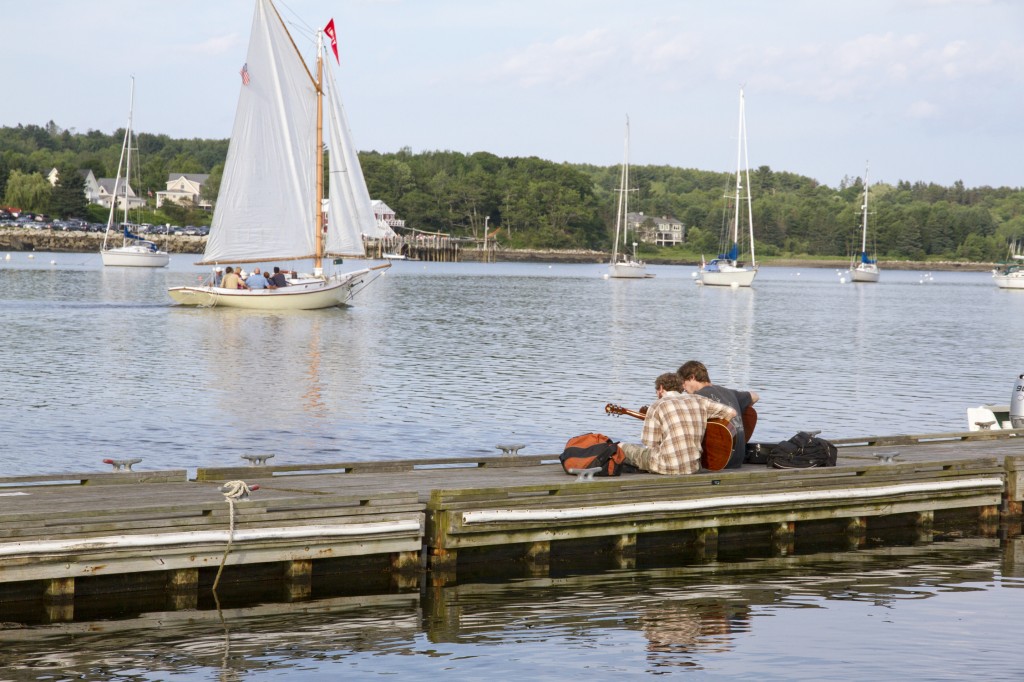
<point x="1017" y="404"/>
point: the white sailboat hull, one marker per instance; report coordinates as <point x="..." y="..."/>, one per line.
<point x="865" y="272"/>
<point x="1012" y="280"/>
<point x="727" y="276"/>
<point x="306" y="294"/>
<point x="135" y="256"/>
<point x="628" y="270"/>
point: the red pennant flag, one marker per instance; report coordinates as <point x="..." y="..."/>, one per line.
<point x="329" y="30"/>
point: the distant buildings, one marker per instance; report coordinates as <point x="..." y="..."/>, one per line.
<point x="185" y="189"/>
<point x="659" y="230"/>
<point x="385" y="214"/>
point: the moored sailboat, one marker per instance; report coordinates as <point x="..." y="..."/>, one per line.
<point x="622" y="265"/>
<point x="1010" y="275"/>
<point x="271" y="202"/>
<point x="866" y="269"/>
<point x="134" y="250"/>
<point x="726" y="269"/>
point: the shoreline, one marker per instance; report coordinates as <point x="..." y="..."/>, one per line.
<point x="21" y="239"/>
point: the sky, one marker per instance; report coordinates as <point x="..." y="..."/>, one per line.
<point x="917" y="90"/>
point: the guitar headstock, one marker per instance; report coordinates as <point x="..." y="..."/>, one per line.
<point x="614" y="409"/>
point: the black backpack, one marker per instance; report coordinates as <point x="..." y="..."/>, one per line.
<point x="802" y="451"/>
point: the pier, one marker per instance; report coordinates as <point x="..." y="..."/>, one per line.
<point x="69" y="539"/>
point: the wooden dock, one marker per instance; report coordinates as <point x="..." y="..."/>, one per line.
<point x="67" y="536"/>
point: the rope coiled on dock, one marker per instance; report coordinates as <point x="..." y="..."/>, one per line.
<point x="233" y="490"/>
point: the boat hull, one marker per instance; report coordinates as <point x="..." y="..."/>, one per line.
<point x="864" y="273"/>
<point x="306" y="294"/>
<point x="135" y="256"/>
<point x="741" y="277"/>
<point x="1014" y="281"/>
<point x="628" y="270"/>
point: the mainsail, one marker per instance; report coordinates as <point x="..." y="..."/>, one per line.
<point x="266" y="207"/>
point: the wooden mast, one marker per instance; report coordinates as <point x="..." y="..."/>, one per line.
<point x="319" y="208"/>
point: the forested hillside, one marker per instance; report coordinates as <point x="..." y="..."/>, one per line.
<point x="533" y="203"/>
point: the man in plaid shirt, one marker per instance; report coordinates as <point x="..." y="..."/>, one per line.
<point x="673" y="429"/>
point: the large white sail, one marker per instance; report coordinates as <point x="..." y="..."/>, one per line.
<point x="265" y="207"/>
<point x="350" y="210"/>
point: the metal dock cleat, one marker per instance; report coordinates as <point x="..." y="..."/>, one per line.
<point x="584" y="474"/>
<point x="257" y="460"/>
<point x="122" y="464"/>
<point x="510" y="450"/>
<point x="887" y="457"/>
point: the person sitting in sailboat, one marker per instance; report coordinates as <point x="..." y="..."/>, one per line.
<point x="278" y="279"/>
<point x="256" y="280"/>
<point x="232" y="280"/>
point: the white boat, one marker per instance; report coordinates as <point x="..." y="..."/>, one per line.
<point x="134" y="251"/>
<point x="271" y="202"/>
<point x="727" y="270"/>
<point x="1010" y="275"/>
<point x="866" y="270"/>
<point x="622" y="265"/>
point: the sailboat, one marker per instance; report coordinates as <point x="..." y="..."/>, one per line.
<point x="1010" y="274"/>
<point x="134" y="250"/>
<point x="727" y="270"/>
<point x="271" y="205"/>
<point x="867" y="269"/>
<point x="623" y="266"/>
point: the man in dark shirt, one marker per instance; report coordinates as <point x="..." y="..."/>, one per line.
<point x="278" y="279"/>
<point x="696" y="380"/>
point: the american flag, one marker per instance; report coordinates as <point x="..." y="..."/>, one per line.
<point x="245" y="74"/>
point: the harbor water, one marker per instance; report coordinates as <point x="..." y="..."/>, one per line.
<point x="451" y="359"/>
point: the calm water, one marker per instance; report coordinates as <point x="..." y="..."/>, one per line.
<point x="450" y="359"/>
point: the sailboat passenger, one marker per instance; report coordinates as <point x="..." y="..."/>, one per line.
<point x="256" y="280"/>
<point x="278" y="279"/>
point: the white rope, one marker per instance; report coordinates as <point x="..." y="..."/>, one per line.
<point x="233" y="490"/>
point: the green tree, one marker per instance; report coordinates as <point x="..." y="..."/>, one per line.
<point x="67" y="199"/>
<point x="28" y="191"/>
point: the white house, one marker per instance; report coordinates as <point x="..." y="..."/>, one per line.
<point x="184" y="189"/>
<point x="659" y="230"/>
<point x="92" y="186"/>
<point x="123" y="191"/>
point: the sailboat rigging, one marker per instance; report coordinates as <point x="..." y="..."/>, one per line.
<point x="726" y="269"/>
<point x="271" y="205"/>
<point x="866" y="270"/>
<point x="134" y="250"/>
<point x="623" y="266"/>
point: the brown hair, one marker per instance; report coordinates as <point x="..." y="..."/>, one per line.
<point x="669" y="381"/>
<point x="694" y="369"/>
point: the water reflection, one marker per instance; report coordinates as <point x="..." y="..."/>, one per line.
<point x="725" y="618"/>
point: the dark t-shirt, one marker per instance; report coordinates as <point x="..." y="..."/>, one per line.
<point x="278" y="280"/>
<point x="739" y="401"/>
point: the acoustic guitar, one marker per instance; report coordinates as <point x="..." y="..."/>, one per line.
<point x="716" y="446"/>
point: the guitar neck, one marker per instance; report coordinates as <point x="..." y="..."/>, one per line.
<point x="616" y="409"/>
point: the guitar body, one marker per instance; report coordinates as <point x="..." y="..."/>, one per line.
<point x="716" y="446"/>
<point x="749" y="422"/>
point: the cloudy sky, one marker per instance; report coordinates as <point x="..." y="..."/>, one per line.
<point x="924" y="90"/>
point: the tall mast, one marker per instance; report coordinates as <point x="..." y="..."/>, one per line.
<point x="746" y="165"/>
<point x="625" y="187"/>
<point x="623" y="180"/>
<point x="319" y="153"/>
<point x="120" y="163"/>
<point x="864" y="208"/>
<point x="739" y="182"/>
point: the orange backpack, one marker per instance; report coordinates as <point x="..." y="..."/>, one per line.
<point x="592" y="450"/>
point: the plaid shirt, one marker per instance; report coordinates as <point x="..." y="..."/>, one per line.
<point x="673" y="430"/>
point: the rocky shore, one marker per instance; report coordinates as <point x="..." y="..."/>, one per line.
<point x="21" y="239"/>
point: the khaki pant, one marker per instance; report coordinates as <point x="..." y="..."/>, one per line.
<point x="637" y="455"/>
